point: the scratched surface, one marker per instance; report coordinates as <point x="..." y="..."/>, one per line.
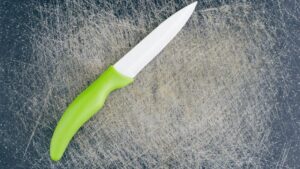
<point x="223" y="94"/>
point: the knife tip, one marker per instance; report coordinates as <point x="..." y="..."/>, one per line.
<point x="194" y="4"/>
<point x="189" y="9"/>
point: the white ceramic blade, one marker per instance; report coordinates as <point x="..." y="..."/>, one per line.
<point x="139" y="56"/>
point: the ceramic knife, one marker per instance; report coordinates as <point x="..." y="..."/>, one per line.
<point x="119" y="75"/>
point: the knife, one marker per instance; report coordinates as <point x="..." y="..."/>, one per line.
<point x="121" y="74"/>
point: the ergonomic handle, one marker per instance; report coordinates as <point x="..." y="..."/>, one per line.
<point x="89" y="102"/>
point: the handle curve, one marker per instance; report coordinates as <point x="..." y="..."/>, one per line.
<point x="89" y="102"/>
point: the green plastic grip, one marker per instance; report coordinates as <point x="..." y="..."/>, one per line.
<point x="89" y="102"/>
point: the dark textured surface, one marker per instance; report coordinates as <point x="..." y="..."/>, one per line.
<point x="223" y="94"/>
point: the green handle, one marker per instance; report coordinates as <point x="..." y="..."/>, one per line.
<point x="89" y="102"/>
